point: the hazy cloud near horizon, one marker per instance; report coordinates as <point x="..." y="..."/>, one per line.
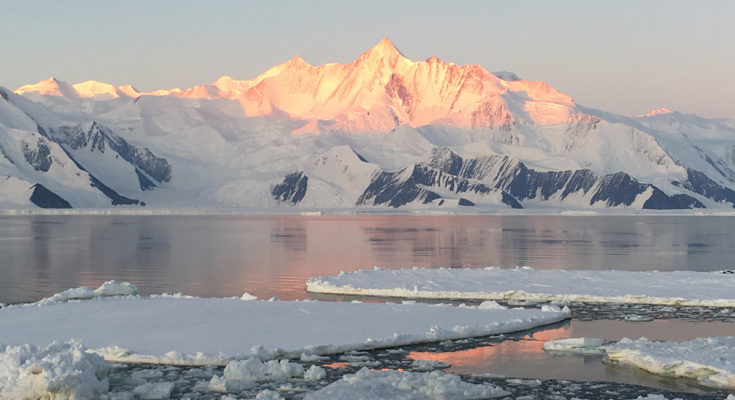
<point x="626" y="57"/>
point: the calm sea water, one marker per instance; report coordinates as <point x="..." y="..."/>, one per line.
<point x="275" y="255"/>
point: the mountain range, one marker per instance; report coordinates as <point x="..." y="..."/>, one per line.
<point x="380" y="132"/>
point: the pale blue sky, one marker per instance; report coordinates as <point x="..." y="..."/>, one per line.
<point x="621" y="56"/>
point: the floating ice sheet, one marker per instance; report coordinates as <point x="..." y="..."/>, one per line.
<point x="714" y="289"/>
<point x="181" y="330"/>
<point x="711" y="361"/>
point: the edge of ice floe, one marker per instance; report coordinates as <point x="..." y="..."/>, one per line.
<point x="706" y="375"/>
<point x="322" y="285"/>
<point x="115" y="353"/>
<point x="314" y="285"/>
<point x="646" y="355"/>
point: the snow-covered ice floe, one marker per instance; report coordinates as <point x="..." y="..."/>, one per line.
<point x="55" y="371"/>
<point x="714" y="289"/>
<point x="198" y="331"/>
<point x="711" y="361"/>
<point x="376" y="385"/>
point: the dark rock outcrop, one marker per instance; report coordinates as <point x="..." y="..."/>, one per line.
<point x="449" y="171"/>
<point x="700" y="183"/>
<point x="40" y="158"/>
<point x="510" y="201"/>
<point x="447" y="174"/>
<point x="292" y="189"/>
<point x="100" y="138"/>
<point x="395" y="190"/>
<point x="45" y="198"/>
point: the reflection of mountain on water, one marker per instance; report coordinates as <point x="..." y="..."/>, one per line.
<point x="275" y="255"/>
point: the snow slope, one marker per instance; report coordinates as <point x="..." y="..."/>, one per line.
<point x="606" y="286"/>
<point x="85" y="165"/>
<point x="16" y="193"/>
<point x="182" y="330"/>
<point x="31" y="157"/>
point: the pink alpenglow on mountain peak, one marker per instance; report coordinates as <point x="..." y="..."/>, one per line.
<point x="658" y="111"/>
<point x="375" y="93"/>
<point x="48" y="87"/>
<point x="83" y="90"/>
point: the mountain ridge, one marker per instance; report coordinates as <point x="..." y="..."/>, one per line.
<point x="376" y="92"/>
<point x="360" y="134"/>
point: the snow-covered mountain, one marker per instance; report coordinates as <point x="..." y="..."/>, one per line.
<point x="381" y="131"/>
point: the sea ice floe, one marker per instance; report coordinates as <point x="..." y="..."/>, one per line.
<point x="710" y="361"/>
<point x="247" y="296"/>
<point x="254" y="369"/>
<point x="268" y="394"/>
<point x="241" y="375"/>
<point x="528" y="285"/>
<point x="113" y="288"/>
<point x="61" y="370"/>
<point x="154" y="391"/>
<point x="107" y="289"/>
<point x="201" y="331"/>
<point x="638" y="318"/>
<point x="428" y="365"/>
<point x="376" y="385"/>
<point x="575" y="345"/>
<point x="315" y="373"/>
<point x="491" y="305"/>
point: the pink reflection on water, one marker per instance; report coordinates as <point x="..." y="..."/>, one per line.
<point x="528" y="349"/>
<point x="337" y="365"/>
